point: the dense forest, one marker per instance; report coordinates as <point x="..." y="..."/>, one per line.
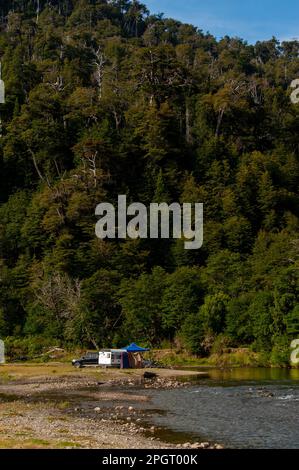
<point x="104" y="98"/>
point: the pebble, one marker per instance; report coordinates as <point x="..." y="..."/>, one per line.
<point x="186" y="445"/>
<point x="205" y="445"/>
<point x="194" y="446"/>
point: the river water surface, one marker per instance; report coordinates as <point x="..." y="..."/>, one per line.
<point x="239" y="408"/>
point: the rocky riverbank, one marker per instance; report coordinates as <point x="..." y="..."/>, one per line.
<point x="57" y="407"/>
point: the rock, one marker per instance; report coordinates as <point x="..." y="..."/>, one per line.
<point x="219" y="446"/>
<point x="196" y="445"/>
<point x="131" y="408"/>
<point x="186" y="445"/>
<point x="149" y="375"/>
<point x="205" y="445"/>
<point x="97" y="409"/>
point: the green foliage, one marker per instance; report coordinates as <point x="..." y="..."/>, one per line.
<point x="30" y="347"/>
<point x="182" y="295"/>
<point x="280" y="354"/>
<point x="192" y="334"/>
<point x="220" y="345"/>
<point x="141" y="305"/>
<point x="213" y="313"/>
<point x="238" y="320"/>
<point x="103" y="98"/>
<point x="292" y="321"/>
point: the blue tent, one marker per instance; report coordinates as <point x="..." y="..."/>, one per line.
<point x="133" y="348"/>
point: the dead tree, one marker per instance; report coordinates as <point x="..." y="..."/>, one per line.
<point x="99" y="63"/>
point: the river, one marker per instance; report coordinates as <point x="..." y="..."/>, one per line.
<point x="239" y="408"/>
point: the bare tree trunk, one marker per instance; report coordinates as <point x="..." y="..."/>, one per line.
<point x="36" y="166"/>
<point x="99" y="62"/>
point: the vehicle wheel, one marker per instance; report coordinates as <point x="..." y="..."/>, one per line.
<point x="77" y="364"/>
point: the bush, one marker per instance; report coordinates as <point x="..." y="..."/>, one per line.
<point x="221" y="343"/>
<point x="280" y="354"/>
<point x="192" y="335"/>
<point x="27" y="348"/>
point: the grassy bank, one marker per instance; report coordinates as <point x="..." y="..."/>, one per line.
<point x="24" y="350"/>
<point x="241" y="357"/>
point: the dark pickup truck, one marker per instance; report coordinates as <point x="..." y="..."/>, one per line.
<point x="90" y="359"/>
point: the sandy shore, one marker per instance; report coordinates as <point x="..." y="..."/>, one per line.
<point x="57" y="406"/>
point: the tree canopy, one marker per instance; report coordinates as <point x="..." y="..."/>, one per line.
<point x="104" y="98"/>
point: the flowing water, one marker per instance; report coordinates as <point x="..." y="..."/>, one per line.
<point x="239" y="408"/>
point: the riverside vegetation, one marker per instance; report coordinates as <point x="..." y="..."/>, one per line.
<point x="104" y="98"/>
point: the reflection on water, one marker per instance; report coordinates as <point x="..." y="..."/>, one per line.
<point x="240" y="408"/>
<point x="255" y="374"/>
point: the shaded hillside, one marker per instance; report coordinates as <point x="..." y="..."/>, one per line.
<point x="102" y="99"/>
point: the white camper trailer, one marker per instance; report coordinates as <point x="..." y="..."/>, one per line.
<point x="111" y="357"/>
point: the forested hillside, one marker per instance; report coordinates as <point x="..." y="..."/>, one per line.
<point x="104" y="98"/>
